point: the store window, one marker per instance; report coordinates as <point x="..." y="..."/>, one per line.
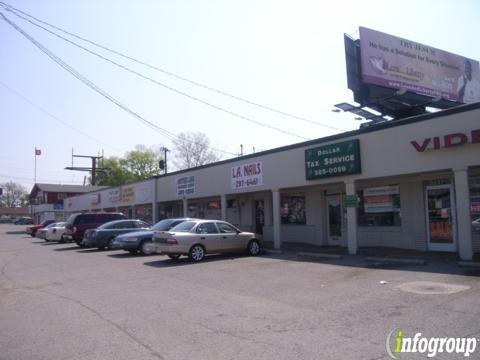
<point x="475" y="202"/>
<point x="379" y="206"/>
<point x="144" y="212"/>
<point x="293" y="209"/>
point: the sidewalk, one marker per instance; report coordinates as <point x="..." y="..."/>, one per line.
<point x="368" y="253"/>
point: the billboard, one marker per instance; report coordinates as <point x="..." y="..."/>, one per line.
<point x="398" y="63"/>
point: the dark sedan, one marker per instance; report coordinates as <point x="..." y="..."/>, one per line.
<point x="142" y="240"/>
<point x="102" y="237"/>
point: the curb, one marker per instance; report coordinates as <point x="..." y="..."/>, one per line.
<point x="470" y="264"/>
<point x="397" y="260"/>
<point x="272" y="251"/>
<point x="320" y="255"/>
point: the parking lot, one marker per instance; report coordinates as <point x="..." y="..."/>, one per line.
<point x="58" y="301"/>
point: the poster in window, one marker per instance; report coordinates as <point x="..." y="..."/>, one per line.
<point x="380" y="199"/>
<point x="293" y="210"/>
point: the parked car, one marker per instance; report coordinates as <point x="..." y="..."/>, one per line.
<point x="41" y="233"/>
<point x="197" y="238"/>
<point x="102" y="237"/>
<point x="32" y="230"/>
<point x="142" y="240"/>
<point x="76" y="224"/>
<point x="55" y="232"/>
<point x="476" y="224"/>
<point x="24" y="220"/>
<point x="5" y="219"/>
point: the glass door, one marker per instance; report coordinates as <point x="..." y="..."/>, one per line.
<point x="334" y="219"/>
<point x="440" y="218"/>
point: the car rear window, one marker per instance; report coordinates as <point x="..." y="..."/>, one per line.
<point x="165" y="224"/>
<point x="185" y="226"/>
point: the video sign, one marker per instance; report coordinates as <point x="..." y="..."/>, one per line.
<point x="398" y="63"/>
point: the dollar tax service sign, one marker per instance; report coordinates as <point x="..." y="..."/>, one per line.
<point x="337" y="159"/>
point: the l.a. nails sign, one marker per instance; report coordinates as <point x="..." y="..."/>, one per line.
<point x="447" y="141"/>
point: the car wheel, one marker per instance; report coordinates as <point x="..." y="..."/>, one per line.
<point x="174" y="257"/>
<point x="196" y="253"/>
<point x="253" y="247"/>
<point x="145" y="247"/>
<point x="110" y="244"/>
<point x="33" y="234"/>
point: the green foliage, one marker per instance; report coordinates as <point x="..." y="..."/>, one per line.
<point x="138" y="164"/>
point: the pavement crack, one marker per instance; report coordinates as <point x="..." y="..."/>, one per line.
<point x="118" y="327"/>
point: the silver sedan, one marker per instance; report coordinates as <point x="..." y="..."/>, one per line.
<point x="200" y="237"/>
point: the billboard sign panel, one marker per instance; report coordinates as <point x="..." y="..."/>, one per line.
<point x="398" y="63"/>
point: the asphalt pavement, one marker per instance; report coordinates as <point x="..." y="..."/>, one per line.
<point x="58" y="301"/>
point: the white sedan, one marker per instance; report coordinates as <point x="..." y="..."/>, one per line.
<point x="55" y="232"/>
<point x="196" y="238"/>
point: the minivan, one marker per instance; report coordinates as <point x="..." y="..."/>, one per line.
<point x="76" y="224"/>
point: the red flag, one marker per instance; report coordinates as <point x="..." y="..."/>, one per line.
<point x="38" y="152"/>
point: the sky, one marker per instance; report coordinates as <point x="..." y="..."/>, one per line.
<point x="287" y="55"/>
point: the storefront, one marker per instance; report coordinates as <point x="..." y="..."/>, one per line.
<point x="135" y="201"/>
<point x="409" y="184"/>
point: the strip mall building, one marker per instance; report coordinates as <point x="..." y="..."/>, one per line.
<point x="411" y="184"/>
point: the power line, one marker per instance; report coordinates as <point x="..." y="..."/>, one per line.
<point x="94" y="87"/>
<point x="221" y="92"/>
<point x="191" y="97"/>
<point x="30" y="179"/>
<point x="55" y="117"/>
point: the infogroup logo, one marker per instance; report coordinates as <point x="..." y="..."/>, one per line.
<point x="398" y="343"/>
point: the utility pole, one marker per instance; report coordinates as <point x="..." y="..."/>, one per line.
<point x="94" y="169"/>
<point x="241" y="149"/>
<point x="163" y="164"/>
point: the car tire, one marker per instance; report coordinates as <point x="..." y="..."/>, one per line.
<point x="174" y="257"/>
<point x="109" y="244"/>
<point x="133" y="252"/>
<point x="196" y="253"/>
<point x="145" y="248"/>
<point x="33" y="234"/>
<point x="253" y="248"/>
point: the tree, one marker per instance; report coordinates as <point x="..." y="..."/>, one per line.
<point x="138" y="164"/>
<point x="141" y="163"/>
<point x="193" y="149"/>
<point x="114" y="174"/>
<point x="14" y="195"/>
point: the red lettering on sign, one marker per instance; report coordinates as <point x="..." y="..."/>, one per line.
<point x="420" y="148"/>
<point x="475" y="136"/>
<point x="450" y="140"/>
<point x="455" y="140"/>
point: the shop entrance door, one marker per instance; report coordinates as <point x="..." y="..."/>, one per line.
<point x="334" y="219"/>
<point x="259" y="216"/>
<point x="440" y="218"/>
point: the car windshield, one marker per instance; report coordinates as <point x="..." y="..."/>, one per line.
<point x="71" y="219"/>
<point x="60" y="224"/>
<point x="185" y="226"/>
<point x="108" y="225"/>
<point x="51" y="225"/>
